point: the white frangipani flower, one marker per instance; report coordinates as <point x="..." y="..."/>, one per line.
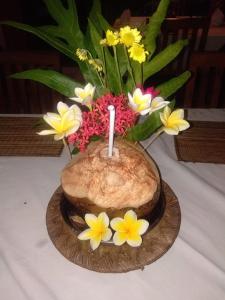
<point x="85" y="95"/>
<point x="66" y="122"/>
<point x="140" y="102"/>
<point x="157" y="103"/>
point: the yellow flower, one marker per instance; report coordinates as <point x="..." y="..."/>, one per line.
<point x="96" y="63"/>
<point x="85" y="95"/>
<point x="98" y="230"/>
<point x="173" y="122"/>
<point x="128" y="229"/>
<point x="65" y="123"/>
<point x="112" y="38"/>
<point x="103" y="42"/>
<point x="82" y="54"/>
<point x="140" y="102"/>
<point x="129" y="36"/>
<point x="138" y="52"/>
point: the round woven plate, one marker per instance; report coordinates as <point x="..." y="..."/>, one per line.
<point x="108" y="258"/>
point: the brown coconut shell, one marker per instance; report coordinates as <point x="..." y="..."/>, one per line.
<point x="84" y="205"/>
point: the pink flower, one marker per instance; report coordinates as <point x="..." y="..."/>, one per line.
<point x="150" y="90"/>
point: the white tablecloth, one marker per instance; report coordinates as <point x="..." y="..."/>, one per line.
<point x="32" y="269"/>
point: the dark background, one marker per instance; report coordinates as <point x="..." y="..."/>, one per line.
<point x="35" y="13"/>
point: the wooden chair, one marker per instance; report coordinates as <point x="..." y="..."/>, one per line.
<point x="206" y="87"/>
<point x="25" y="96"/>
<point x="195" y="29"/>
<point x="2" y="40"/>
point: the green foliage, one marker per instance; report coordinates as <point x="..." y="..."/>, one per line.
<point x="163" y="58"/>
<point x="66" y="36"/>
<point x="54" y="80"/>
<point x="154" y="25"/>
<point x="170" y="87"/>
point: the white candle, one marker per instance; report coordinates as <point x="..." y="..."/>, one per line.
<point x="111" y="110"/>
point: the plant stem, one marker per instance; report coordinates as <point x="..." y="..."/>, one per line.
<point x="129" y="66"/>
<point x="104" y="66"/>
<point x="142" y="74"/>
<point x="156" y="135"/>
<point x="68" y="147"/>
<point x="117" y="67"/>
<point x="88" y="65"/>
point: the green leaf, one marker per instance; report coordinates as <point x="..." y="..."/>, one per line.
<point x="153" y="28"/>
<point x="163" y="58"/>
<point x="66" y="36"/>
<point x="54" y="80"/>
<point x="143" y="130"/>
<point x="170" y="87"/>
<point x="50" y="39"/>
<point x="75" y="151"/>
<point x="112" y="78"/>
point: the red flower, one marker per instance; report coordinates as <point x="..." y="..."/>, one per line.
<point x="96" y="122"/>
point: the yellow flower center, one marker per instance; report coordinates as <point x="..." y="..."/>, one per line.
<point x="128" y="39"/>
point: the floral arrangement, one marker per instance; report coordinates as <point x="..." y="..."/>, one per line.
<point x="117" y="66"/>
<point x="128" y="229"/>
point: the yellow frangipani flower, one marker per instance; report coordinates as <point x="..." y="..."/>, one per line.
<point x="112" y="38"/>
<point x="140" y="102"/>
<point x="173" y="122"/>
<point x="128" y="229"/>
<point x="138" y="52"/>
<point x="65" y="123"/>
<point x="98" y="230"/>
<point x="85" y="95"/>
<point x="82" y="54"/>
<point x="129" y="36"/>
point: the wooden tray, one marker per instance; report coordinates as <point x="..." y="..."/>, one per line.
<point x="108" y="258"/>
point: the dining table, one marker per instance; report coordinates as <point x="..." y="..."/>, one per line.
<point x="31" y="268"/>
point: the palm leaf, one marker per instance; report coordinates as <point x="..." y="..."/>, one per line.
<point x="163" y="58"/>
<point x="54" y="80"/>
<point x="170" y="87"/>
<point x="153" y="28"/>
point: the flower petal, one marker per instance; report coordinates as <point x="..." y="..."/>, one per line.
<point x="53" y="122"/>
<point x="77" y="99"/>
<point x="143" y="226"/>
<point x="130" y="216"/>
<point x="119" y="239"/>
<point x="90" y="219"/>
<point x="135" y="241"/>
<point x="54" y="115"/>
<point x="104" y="218"/>
<point x="62" y="108"/>
<point x="145" y="111"/>
<point x="177" y="114"/>
<point x="116" y="224"/>
<point x="107" y="236"/>
<point x="47" y="132"/>
<point x="59" y="136"/>
<point x="171" y="130"/>
<point x="84" y="235"/>
<point x="95" y="243"/>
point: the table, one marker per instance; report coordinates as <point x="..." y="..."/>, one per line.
<point x="193" y="269"/>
